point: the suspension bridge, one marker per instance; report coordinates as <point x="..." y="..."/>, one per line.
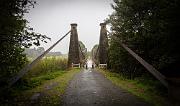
<point x="76" y="58"/>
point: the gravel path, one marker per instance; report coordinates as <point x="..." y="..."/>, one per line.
<point x="91" y="88"/>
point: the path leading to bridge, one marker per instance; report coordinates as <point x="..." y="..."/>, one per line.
<point x="91" y="88"/>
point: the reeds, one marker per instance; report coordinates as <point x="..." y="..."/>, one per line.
<point x="49" y="64"/>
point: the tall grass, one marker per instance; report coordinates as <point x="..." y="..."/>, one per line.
<point x="48" y="64"/>
<point x="46" y="69"/>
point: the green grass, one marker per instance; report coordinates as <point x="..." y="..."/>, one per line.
<point x="29" y="83"/>
<point x="48" y="71"/>
<point x="57" y="81"/>
<point x="53" y="96"/>
<point x="142" y="88"/>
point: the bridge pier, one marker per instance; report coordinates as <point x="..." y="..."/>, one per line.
<point x="73" y="55"/>
<point x="103" y="45"/>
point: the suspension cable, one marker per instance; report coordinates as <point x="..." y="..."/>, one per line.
<point x="148" y="66"/>
<point x="24" y="70"/>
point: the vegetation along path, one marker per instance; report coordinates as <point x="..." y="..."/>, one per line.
<point x="90" y="88"/>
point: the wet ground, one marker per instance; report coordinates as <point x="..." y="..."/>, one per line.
<point x="91" y="88"/>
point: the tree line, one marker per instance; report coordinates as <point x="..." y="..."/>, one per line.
<point x="151" y="29"/>
<point x="15" y="35"/>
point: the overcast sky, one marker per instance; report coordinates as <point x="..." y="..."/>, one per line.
<point x="53" y="18"/>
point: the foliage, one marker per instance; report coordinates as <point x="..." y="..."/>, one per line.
<point x="35" y="81"/>
<point x="47" y="69"/>
<point x="148" y="27"/>
<point x="94" y="53"/>
<point x="83" y="51"/>
<point x="82" y="46"/>
<point x="15" y="34"/>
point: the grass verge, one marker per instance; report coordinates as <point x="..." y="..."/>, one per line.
<point x="146" y="91"/>
<point x="44" y="90"/>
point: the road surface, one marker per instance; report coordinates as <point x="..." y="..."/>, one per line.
<point x="91" y="88"/>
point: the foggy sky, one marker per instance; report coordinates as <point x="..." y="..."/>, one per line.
<point x="53" y="18"/>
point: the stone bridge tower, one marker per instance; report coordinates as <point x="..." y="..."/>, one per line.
<point x="73" y="56"/>
<point x="103" y="45"/>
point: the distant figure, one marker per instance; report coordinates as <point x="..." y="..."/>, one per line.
<point x="92" y="66"/>
<point x="86" y="66"/>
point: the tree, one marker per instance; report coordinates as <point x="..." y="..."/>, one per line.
<point x="94" y="54"/>
<point x="83" y="52"/>
<point x="15" y="35"/>
<point x="150" y="28"/>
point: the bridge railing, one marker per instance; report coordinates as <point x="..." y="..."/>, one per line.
<point x="76" y="65"/>
<point x="102" y="65"/>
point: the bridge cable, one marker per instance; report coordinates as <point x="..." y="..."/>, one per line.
<point x="148" y="66"/>
<point x="24" y="70"/>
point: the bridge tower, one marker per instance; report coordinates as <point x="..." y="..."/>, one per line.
<point x="73" y="56"/>
<point x="103" y="45"/>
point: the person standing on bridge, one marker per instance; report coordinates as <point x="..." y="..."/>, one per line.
<point x="93" y="65"/>
<point x="86" y="64"/>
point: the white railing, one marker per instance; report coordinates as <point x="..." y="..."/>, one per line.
<point x="76" y="65"/>
<point x="102" y="65"/>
